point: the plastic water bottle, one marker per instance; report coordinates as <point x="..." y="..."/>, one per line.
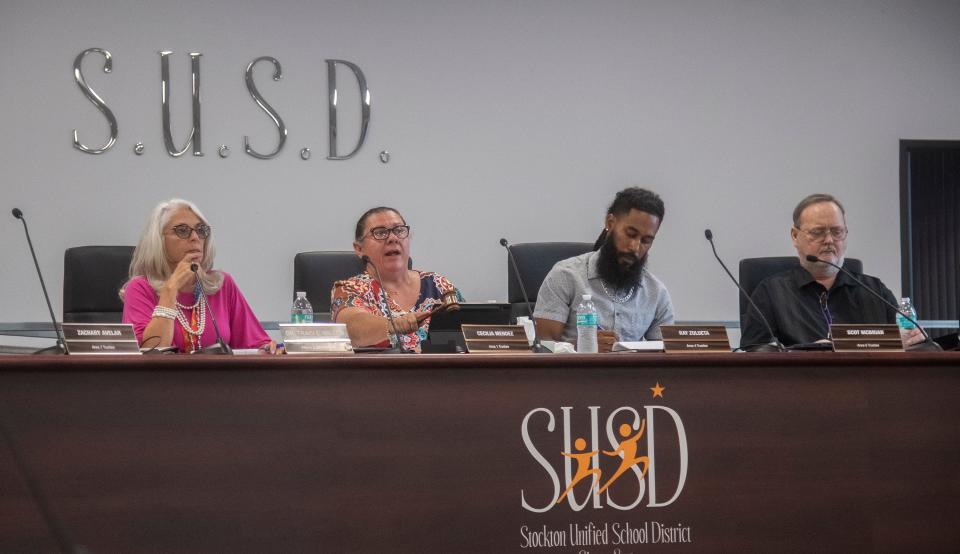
<point x="906" y="307"/>
<point x="302" y="311"/>
<point x="586" y="326"/>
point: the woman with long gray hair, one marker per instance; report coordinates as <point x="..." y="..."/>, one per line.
<point x="162" y="299"/>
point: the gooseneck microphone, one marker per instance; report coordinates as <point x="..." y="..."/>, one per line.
<point x="537" y="346"/>
<point x="398" y="346"/>
<point x="61" y="346"/>
<point x="896" y="309"/>
<point x="221" y="346"/>
<point x="709" y="235"/>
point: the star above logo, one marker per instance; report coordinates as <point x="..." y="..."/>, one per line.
<point x="658" y="390"/>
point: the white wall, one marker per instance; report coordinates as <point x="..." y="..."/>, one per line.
<point x="515" y="119"/>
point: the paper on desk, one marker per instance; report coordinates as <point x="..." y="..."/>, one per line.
<point x="639" y="346"/>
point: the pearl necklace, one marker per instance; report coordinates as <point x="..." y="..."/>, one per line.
<point x="195" y="304"/>
<point x="615" y="298"/>
<point x="185" y="323"/>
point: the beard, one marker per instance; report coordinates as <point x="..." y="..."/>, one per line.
<point x="823" y="271"/>
<point x="620" y="269"/>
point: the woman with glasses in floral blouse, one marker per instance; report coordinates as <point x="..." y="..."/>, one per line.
<point x="162" y="300"/>
<point x="382" y="237"/>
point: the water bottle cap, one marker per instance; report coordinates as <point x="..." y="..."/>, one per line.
<point x="586" y="297"/>
<point x="301" y="294"/>
<point x="905" y="299"/>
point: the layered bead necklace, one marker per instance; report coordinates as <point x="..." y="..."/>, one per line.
<point x="193" y="328"/>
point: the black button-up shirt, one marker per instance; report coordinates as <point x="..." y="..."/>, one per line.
<point x="800" y="309"/>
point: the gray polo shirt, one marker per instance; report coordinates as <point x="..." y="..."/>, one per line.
<point x="639" y="317"/>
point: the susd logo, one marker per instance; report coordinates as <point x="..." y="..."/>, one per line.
<point x="625" y="444"/>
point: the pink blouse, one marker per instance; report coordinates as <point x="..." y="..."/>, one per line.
<point x="238" y="325"/>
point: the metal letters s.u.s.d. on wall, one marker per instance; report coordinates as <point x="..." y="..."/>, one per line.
<point x="194" y="138"/>
<point x="97" y="101"/>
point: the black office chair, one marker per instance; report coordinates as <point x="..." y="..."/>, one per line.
<point x="535" y="260"/>
<point x="754" y="270"/>
<point x="315" y="272"/>
<point x="92" y="277"/>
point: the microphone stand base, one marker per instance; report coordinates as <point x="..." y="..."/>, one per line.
<point x="538" y="348"/>
<point x="926" y="346"/>
<point x="55" y="350"/>
<point x="218" y="349"/>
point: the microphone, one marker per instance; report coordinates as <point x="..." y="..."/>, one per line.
<point x="779" y="345"/>
<point x="537" y="347"/>
<point x="61" y="346"/>
<point x="896" y="309"/>
<point x="220" y="347"/>
<point x="398" y="347"/>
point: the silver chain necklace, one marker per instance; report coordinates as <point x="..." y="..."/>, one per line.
<point x="614" y="297"/>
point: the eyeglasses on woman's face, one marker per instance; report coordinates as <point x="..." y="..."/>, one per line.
<point x="184" y="231"/>
<point x="383" y="233"/>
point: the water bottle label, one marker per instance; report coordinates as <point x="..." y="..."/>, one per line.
<point x="905" y="323"/>
<point x="301" y="317"/>
<point x="587" y="320"/>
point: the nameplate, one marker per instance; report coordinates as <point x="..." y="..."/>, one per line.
<point x="695" y="338"/>
<point x="860" y="338"/>
<point x="492" y="339"/>
<point x="92" y="339"/>
<point x="315" y="338"/>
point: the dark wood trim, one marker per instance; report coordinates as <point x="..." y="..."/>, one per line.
<point x="906" y="246"/>
<point x="790" y="452"/>
<point x="494" y="362"/>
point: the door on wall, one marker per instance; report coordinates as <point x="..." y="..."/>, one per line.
<point x="930" y="228"/>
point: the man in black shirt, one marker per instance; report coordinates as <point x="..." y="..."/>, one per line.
<point x="802" y="303"/>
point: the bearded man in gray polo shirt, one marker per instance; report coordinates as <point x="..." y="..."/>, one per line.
<point x="631" y="303"/>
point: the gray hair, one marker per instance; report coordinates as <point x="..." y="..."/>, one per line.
<point x="815" y="199"/>
<point x="150" y="255"/>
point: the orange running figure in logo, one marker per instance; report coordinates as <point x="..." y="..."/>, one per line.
<point x="628" y="446"/>
<point x="583" y="466"/>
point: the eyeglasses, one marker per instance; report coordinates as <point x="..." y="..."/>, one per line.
<point x="184" y="231"/>
<point x="818" y="234"/>
<point x="382" y="233"/>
